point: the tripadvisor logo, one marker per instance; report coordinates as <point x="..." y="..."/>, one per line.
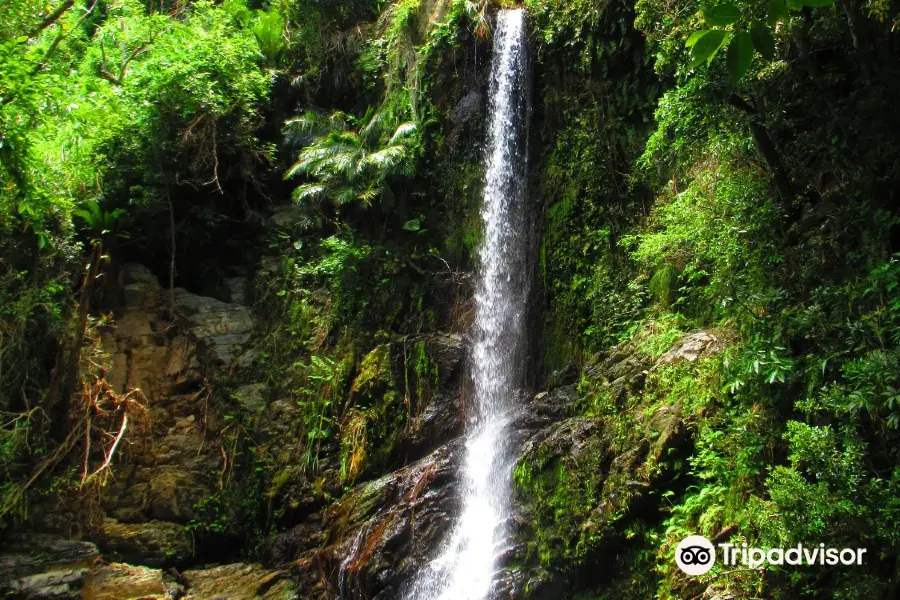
<point x="695" y="555"/>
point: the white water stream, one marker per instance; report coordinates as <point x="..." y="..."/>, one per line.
<point x="465" y="567"/>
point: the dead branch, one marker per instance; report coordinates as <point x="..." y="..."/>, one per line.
<point x="112" y="450"/>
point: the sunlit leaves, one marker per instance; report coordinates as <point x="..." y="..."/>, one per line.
<point x="722" y="14"/>
<point x="695" y="37"/>
<point x="707" y="46"/>
<point x="743" y="42"/>
<point x="349" y="165"/>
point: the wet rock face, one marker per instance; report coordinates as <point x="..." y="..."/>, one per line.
<point x="440" y="416"/>
<point x="379" y="534"/>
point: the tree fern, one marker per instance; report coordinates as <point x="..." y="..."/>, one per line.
<point x="347" y="165"/>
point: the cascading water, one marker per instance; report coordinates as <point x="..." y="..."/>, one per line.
<point x="466" y="566"/>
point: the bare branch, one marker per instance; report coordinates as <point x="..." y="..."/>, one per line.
<point x="52" y="18"/>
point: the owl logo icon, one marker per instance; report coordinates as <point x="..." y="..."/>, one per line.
<point x="695" y="555"/>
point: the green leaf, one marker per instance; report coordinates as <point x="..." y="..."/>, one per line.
<point x="695" y="37"/>
<point x="777" y="12"/>
<point x="723" y="14"/>
<point x="412" y="225"/>
<point x="740" y="53"/>
<point x="707" y="46"/>
<point x="818" y="3"/>
<point x="763" y="40"/>
<point x="795" y="5"/>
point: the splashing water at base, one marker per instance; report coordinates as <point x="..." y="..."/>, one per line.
<point x="465" y="568"/>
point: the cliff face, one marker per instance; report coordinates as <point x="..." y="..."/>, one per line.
<point x="236" y="295"/>
<point x="365" y="541"/>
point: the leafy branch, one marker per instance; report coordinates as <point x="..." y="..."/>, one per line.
<point x="746" y="38"/>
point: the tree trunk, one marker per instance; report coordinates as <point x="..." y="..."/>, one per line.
<point x="57" y="400"/>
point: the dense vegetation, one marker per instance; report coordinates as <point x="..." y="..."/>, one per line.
<point x="733" y="167"/>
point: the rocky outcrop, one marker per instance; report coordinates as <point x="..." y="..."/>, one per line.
<point x="238" y="581"/>
<point x="440" y="413"/>
<point x="692" y="347"/>
<point x="170" y="462"/>
<point x="581" y="480"/>
<point x="161" y="353"/>
<point x="377" y="536"/>
<point x="42" y="567"/>
<point x="126" y="582"/>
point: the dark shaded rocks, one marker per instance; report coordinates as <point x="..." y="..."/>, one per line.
<point x="154" y="543"/>
<point x="620" y="372"/>
<point x="235" y="290"/>
<point x="467" y="108"/>
<point x="568" y="375"/>
<point x="581" y="480"/>
<point x="440" y="413"/>
<point x="377" y="536"/>
<point x="43" y="567"/>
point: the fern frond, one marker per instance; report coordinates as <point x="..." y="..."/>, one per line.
<point x="403" y="131"/>
<point x="344" y="195"/>
<point x="386" y="160"/>
<point x="309" y="192"/>
<point x="310" y="122"/>
<point x="370" y="194"/>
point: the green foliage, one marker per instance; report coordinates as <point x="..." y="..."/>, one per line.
<point x="745" y="39"/>
<point x="212" y="515"/>
<point x="317" y="398"/>
<point x="351" y="166"/>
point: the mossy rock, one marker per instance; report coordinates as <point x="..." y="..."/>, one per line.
<point x="374" y="376"/>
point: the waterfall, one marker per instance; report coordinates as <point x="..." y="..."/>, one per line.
<point x="465" y="568"/>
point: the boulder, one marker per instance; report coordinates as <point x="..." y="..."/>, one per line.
<point x="219" y="328"/>
<point x="154" y="544"/>
<point x="239" y="582"/>
<point x="691" y="347"/>
<point x="118" y="581"/>
<point x="38" y="566"/>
